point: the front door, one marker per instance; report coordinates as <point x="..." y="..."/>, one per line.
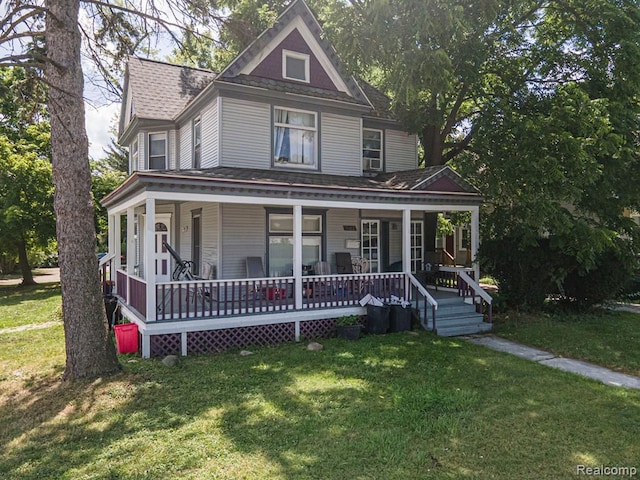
<point x="162" y="256"/>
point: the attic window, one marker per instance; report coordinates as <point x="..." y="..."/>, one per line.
<point x="295" y="66"/>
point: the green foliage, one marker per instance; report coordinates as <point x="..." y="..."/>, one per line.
<point x="348" y="320"/>
<point x="528" y="274"/>
<point x="104" y="179"/>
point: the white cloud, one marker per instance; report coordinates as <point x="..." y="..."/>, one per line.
<point x="100" y="123"/>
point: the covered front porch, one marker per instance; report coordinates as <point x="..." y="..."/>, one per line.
<point x="295" y="235"/>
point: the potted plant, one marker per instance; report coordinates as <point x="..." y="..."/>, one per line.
<point x="348" y="327"/>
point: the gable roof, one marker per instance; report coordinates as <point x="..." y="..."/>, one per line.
<point x="297" y="17"/>
<point x="161" y="90"/>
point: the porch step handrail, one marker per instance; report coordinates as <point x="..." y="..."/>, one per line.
<point x="478" y="290"/>
<point x="427" y="296"/>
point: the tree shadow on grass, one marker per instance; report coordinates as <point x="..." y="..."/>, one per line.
<point x="16" y="294"/>
<point x="384" y="407"/>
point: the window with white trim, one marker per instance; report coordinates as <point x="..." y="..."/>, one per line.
<point x="372" y="150"/>
<point x="464" y="238"/>
<point x="134" y="156"/>
<point x="417" y="247"/>
<point x="295" y="66"/>
<point x="294" y="138"/>
<point x="157" y="151"/>
<point x="281" y="242"/>
<point x="197" y="142"/>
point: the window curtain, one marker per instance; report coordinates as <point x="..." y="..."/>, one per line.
<point x="293" y="145"/>
<point x="280" y="146"/>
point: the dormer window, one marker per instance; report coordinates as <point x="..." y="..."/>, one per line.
<point x="295" y="66"/>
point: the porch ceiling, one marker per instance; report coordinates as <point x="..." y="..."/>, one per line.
<point x="432" y="186"/>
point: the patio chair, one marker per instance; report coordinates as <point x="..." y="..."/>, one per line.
<point x="183" y="271"/>
<point x="344" y="264"/>
<point x="259" y="291"/>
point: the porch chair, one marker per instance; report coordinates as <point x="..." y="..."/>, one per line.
<point x="183" y="271"/>
<point x="256" y="270"/>
<point x="322" y="288"/>
<point x="344" y="264"/>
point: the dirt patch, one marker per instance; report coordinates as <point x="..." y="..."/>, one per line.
<point x="31" y="326"/>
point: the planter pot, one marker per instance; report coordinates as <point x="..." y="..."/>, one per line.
<point x="349" y="332"/>
<point x="377" y="319"/>
<point x="400" y="319"/>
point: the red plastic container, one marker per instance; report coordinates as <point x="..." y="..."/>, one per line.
<point x="274" y="293"/>
<point x="126" y="337"/>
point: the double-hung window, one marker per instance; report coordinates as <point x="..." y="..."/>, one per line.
<point x="371" y="150"/>
<point x="134" y="156"/>
<point x="281" y="242"/>
<point x="157" y="151"/>
<point x="294" y="138"/>
<point x="197" y="143"/>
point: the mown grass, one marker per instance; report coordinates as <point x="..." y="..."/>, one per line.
<point x="608" y="338"/>
<point x="29" y="305"/>
<point x="399" y="406"/>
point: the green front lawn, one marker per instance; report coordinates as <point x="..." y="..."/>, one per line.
<point x="29" y="305"/>
<point x="398" y="406"/>
<point x="608" y="338"/>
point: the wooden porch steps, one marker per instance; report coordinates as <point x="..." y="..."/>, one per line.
<point x="454" y="317"/>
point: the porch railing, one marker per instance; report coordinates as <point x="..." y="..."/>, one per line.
<point x="469" y="285"/>
<point x="121" y="283"/>
<point x="343" y="290"/>
<point x="216" y="298"/>
<point x="448" y="277"/>
<point x="138" y="294"/>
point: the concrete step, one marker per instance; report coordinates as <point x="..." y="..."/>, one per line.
<point x="455" y="317"/>
<point x="470" y="329"/>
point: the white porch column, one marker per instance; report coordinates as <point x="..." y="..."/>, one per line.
<point x="131" y="248"/>
<point x="297" y="255"/>
<point x="150" y="257"/>
<point x="406" y="248"/>
<point x="117" y="247"/>
<point x="475" y="240"/>
<point x="406" y="240"/>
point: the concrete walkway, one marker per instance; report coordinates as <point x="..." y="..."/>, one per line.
<point x="578" y="367"/>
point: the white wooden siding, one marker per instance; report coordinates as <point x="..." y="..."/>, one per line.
<point x="185" y="145"/>
<point x="243" y="235"/>
<point x="337" y="236"/>
<point x="142" y="151"/>
<point x="245" y="134"/>
<point x="210" y="137"/>
<point x="341" y="145"/>
<point x="395" y="241"/>
<point x="172" y="149"/>
<point x="401" y="151"/>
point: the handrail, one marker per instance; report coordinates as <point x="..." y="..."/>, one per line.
<point x="106" y="258"/>
<point x="476" y="287"/>
<point x="479" y="291"/>
<point x="423" y="291"/>
<point x="430" y="300"/>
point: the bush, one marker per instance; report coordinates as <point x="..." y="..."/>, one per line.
<point x="528" y="276"/>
